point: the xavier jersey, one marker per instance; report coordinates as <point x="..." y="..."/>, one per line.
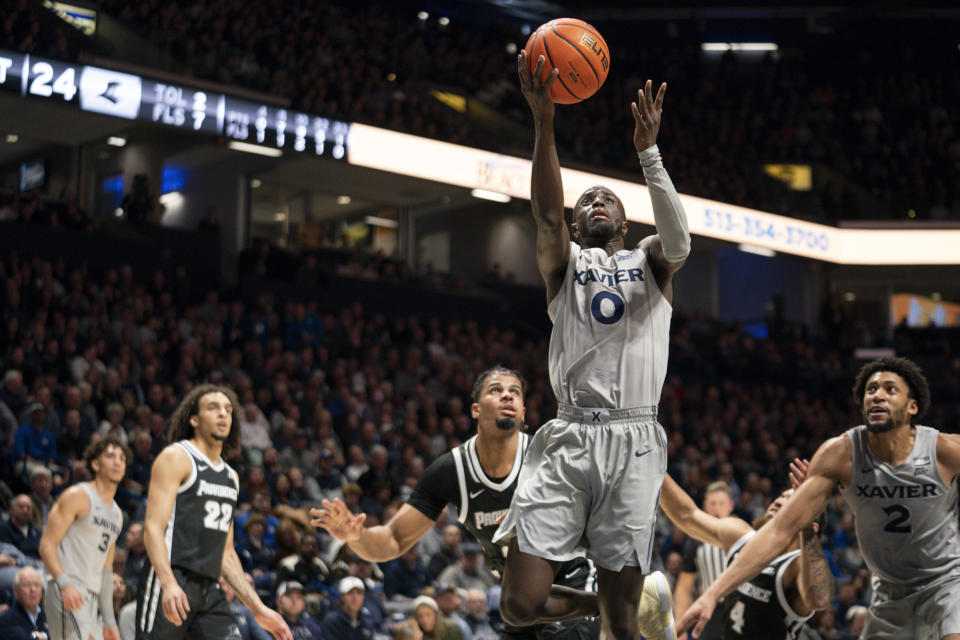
<point x="906" y="516"/>
<point x="759" y="609"/>
<point x="202" y="514"/>
<point x="611" y="326"/>
<point x="83" y="549"/>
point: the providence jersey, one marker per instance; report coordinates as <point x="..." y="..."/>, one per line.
<point x="202" y="514"/>
<point x="83" y="549"/>
<point x="758" y="609"/>
<point x="611" y="331"/>
<point x="457" y="478"/>
<point x="906" y="516"/>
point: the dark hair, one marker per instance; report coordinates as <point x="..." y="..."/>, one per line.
<point x="95" y="449"/>
<point x="180" y="427"/>
<point x="482" y="378"/>
<point x="917" y="386"/>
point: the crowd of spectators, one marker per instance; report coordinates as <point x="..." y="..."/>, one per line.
<point x="871" y="113"/>
<point x="345" y="403"/>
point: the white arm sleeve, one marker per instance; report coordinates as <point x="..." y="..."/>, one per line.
<point x="668" y="214"/>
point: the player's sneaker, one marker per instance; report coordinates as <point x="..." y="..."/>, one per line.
<point x="655" y="613"/>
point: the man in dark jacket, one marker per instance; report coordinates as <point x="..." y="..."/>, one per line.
<point x="349" y="621"/>
<point x="19" y="530"/>
<point x="292" y="606"/>
<point x="26" y="617"/>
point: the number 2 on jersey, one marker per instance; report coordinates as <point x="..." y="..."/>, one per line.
<point x="218" y="515"/>
<point x="901" y="515"/>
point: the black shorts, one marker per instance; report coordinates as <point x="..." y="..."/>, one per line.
<point x="209" y="617"/>
<point x="575" y="574"/>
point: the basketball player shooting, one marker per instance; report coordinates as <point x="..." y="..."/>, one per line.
<point x="900" y="479"/>
<point x="594" y="473"/>
<point x="77" y="547"/>
<point x="189" y="529"/>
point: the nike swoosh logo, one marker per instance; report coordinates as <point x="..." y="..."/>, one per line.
<point x="202" y="467"/>
<point x="866" y="470"/>
<point x="571" y="574"/>
<point x="474" y="494"/>
<point x="640" y="455"/>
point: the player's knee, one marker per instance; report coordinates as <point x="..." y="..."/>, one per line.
<point x="518" y="610"/>
<point x="621" y="628"/>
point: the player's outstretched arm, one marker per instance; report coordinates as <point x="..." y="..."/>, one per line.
<point x="232" y="572"/>
<point x="815" y="582"/>
<point x="697" y="523"/>
<point x="169" y="471"/>
<point x="830" y="466"/>
<point x="670" y="247"/>
<point x="374" y="544"/>
<point x="72" y="504"/>
<point x="546" y="186"/>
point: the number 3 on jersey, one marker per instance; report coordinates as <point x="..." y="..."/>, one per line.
<point x="607" y="313"/>
<point x="218" y="515"/>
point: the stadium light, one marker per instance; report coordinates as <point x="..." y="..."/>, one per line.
<point x="486" y="194"/>
<point x="171" y="199"/>
<point x="739" y="46"/>
<point x="754" y="249"/>
<point x="343" y="199"/>
<point x="116" y="141"/>
<point x="260" y="150"/>
<point x="377" y="221"/>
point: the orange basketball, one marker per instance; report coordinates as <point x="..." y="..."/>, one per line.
<point x="577" y="50"/>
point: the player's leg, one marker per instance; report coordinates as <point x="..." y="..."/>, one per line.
<point x="525" y="598"/>
<point x="619" y="597"/>
<point x="214" y="621"/>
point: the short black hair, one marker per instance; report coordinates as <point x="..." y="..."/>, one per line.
<point x="482" y="378"/>
<point x="917" y="386"/>
<point x="95" y="449"/>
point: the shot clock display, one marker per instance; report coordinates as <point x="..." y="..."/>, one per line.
<point x="181" y="106"/>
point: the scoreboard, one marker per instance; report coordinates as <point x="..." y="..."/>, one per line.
<point x="134" y="97"/>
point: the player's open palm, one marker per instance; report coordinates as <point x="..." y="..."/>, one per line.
<point x="535" y="90"/>
<point x="174" y="602"/>
<point x="695" y="618"/>
<point x="338" y="521"/>
<point x="647" y="111"/>
<point x="72" y="600"/>
<point x="273" y="623"/>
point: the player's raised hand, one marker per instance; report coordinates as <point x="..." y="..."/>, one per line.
<point x="174" y="603"/>
<point x="697" y="616"/>
<point x="338" y="521"/>
<point x="535" y="90"/>
<point x="72" y="599"/>
<point x="798" y="472"/>
<point x="274" y="623"/>
<point x="646" y="115"/>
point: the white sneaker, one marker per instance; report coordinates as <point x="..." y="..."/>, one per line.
<point x="655" y="612"/>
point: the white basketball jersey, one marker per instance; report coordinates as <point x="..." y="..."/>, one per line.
<point x="611" y="331"/>
<point x="83" y="549"/>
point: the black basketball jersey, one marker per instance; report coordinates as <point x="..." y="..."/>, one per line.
<point x="202" y="514"/>
<point x="457" y="478"/>
<point x="483" y="501"/>
<point x="758" y="609"/>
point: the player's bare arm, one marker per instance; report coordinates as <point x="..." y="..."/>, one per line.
<point x="815" y="584"/>
<point x="72" y="504"/>
<point x="170" y="469"/>
<point x="697" y="523"/>
<point x="374" y="544"/>
<point x="948" y="456"/>
<point x="668" y="250"/>
<point x="546" y="187"/>
<point x="232" y="572"/>
<point x="829" y="468"/>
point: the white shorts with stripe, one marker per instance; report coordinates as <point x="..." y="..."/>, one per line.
<point x="591" y="478"/>
<point x="71" y="625"/>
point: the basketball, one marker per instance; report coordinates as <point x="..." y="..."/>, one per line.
<point x="577" y="50"/>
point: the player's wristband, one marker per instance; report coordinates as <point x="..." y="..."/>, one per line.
<point x="106" y="598"/>
<point x="63" y="580"/>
